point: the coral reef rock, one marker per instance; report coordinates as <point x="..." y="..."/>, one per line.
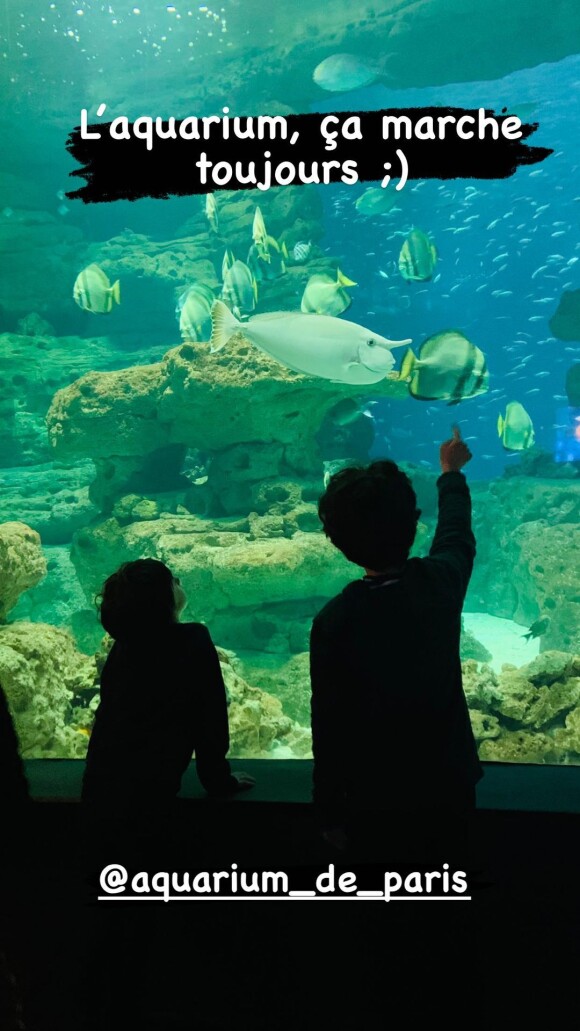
<point x="196" y="399"/>
<point x="471" y="648"/>
<point x="52" y="499"/>
<point x="530" y="714"/>
<point x="58" y="598"/>
<point x="292" y="679"/>
<point x="219" y="568"/>
<point x="258" y="725"/>
<point x="22" y="563"/>
<point x="32" y="369"/>
<point x="41" y="672"/>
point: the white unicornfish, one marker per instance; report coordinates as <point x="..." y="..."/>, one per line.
<point x="316" y="345"/>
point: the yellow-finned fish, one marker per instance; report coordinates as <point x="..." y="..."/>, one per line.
<point x="260" y="235"/>
<point x="449" y="368"/>
<point x="516" y="428"/>
<point x="418" y="257"/>
<point x="267" y="261"/>
<point x="93" y="291"/>
<point x="211" y="212"/>
<point x="324" y="295"/>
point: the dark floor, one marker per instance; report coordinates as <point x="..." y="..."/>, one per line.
<point x="268" y="965"/>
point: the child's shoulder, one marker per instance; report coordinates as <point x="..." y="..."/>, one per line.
<point x="337" y="607"/>
<point x="191" y="631"/>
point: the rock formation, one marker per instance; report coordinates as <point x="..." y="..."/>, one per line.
<point x="531" y="714"/>
<point x="22" y="563"/>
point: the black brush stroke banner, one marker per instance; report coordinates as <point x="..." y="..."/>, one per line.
<point x="127" y="170"/>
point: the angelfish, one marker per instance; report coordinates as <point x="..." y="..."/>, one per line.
<point x="316" y="345"/>
<point x="417" y="258"/>
<point x="449" y="368"/>
<point x="93" y="291"/>
<point x="516" y="428"/>
<point x="240" y="288"/>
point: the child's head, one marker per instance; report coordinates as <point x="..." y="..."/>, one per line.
<point x="141" y="596"/>
<point x="370" y="514"/>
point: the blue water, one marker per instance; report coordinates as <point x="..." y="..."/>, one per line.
<point x="507" y="329"/>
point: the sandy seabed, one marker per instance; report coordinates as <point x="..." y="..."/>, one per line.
<point x="503" y="638"/>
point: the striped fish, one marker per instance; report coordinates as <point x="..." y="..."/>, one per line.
<point x="449" y="368"/>
<point x="418" y="258"/>
<point x="240" y="289"/>
<point x="301" y="251"/>
<point x="93" y="291"/>
<point x="193" y="310"/>
<point x="516" y="428"/>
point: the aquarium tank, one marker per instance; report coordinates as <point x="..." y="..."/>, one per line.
<point x="124" y="434"/>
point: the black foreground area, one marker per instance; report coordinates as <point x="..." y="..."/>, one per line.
<point x="69" y="961"/>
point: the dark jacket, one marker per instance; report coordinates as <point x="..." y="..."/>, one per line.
<point x="390" y="723"/>
<point x="13" y="783"/>
<point x="161" y="699"/>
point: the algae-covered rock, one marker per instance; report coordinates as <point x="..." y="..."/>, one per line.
<point x="519" y="747"/>
<point x="291" y="678"/>
<point x="41" y="672"/>
<point x="22" y="563"/>
<point x="131" y="509"/>
<point x="484" y="726"/>
<point x="196" y="399"/>
<point x="57" y="597"/>
<point x="279" y="630"/>
<point x="552" y="702"/>
<point x="522" y="701"/>
<point x="52" y="499"/>
<point x="548" y="667"/>
<point x="567" y="738"/>
<point x="257" y="719"/>
<point x="32" y="369"/>
<point x="480" y="685"/>
<point x="219" y="568"/>
<point x="525" y="719"/>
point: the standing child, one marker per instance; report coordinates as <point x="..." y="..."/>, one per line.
<point x="394" y="754"/>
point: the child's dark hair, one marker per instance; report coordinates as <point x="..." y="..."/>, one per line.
<point x="137" y="598"/>
<point x="370" y="514"/>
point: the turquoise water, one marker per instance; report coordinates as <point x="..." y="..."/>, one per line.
<point x="121" y="435"/>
